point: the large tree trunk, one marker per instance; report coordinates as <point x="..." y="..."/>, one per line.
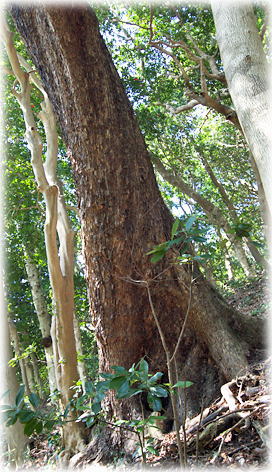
<point x="123" y="216"/>
<point x="246" y="71"/>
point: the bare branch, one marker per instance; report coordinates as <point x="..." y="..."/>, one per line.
<point x="176" y="111"/>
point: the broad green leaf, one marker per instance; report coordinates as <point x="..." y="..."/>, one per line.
<point x="25" y="416"/>
<point x="152" y="450"/>
<point x="175" y="228"/>
<point x="30" y="427"/>
<point x="157" y="257"/>
<point x="39" y="427"/>
<point x="159" y="391"/>
<point x="116" y="382"/>
<point x="119" y="369"/>
<point x="155" y="377"/>
<point x="189" y="223"/>
<point x="154" y="402"/>
<point x="89" y="421"/>
<point x="49" y="424"/>
<point x="131" y="393"/>
<point x="6" y="407"/>
<point x="175" y="241"/>
<point x="12" y="418"/>
<point x="199" y="239"/>
<point x="183" y="384"/>
<point x="66" y="411"/>
<point x="158" y="248"/>
<point x="34" y="400"/>
<point x="123" y="390"/>
<point x="153" y="418"/>
<point x="96" y="407"/>
<point x="143" y="366"/>
<point x="20" y="395"/>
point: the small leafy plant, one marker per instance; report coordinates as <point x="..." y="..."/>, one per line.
<point x="31" y="412"/>
<point x="183" y="233"/>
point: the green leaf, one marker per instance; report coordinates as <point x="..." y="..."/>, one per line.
<point x="143" y="366"/>
<point x="12" y="418"/>
<point x="30" y="427"/>
<point x="154" y="402"/>
<point x="96" y="407"/>
<point x="34" y="400"/>
<point x="49" y="424"/>
<point x="6" y="407"/>
<point x="257" y="244"/>
<point x="123" y="389"/>
<point x="89" y="421"/>
<point x="20" y="395"/>
<point x="155" y="377"/>
<point x="157" y="257"/>
<point x="25" y="416"/>
<point x="66" y="411"/>
<point x="39" y="427"/>
<point x="119" y="369"/>
<point x="189" y="223"/>
<point x="175" y="228"/>
<point x="116" y="382"/>
<point x="154" y="418"/>
<point x="131" y="392"/>
<point x="183" y="384"/>
<point x="175" y="241"/>
<point x="159" y="391"/>
<point x="152" y="450"/>
<point x="199" y="239"/>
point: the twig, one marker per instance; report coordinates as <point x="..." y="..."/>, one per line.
<point x="197" y="433"/>
<point x="184" y="323"/>
<point x="244" y="446"/>
<point x="224" y="434"/>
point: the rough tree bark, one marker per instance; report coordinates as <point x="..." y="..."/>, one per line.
<point x="246" y="71"/>
<point x="123" y="216"/>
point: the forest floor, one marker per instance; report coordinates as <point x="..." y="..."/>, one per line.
<point x="232" y="432"/>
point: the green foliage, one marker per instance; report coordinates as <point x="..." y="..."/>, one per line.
<point x="182" y="238"/>
<point x="37" y="417"/>
<point x="32" y="412"/>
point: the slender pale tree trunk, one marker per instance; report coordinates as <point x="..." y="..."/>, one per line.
<point x="17" y="350"/>
<point x="13" y="440"/>
<point x="232" y="212"/>
<point x="246" y="71"/>
<point x="58" y="237"/>
<point x="43" y="317"/>
<point x="80" y="362"/>
<point x="37" y="377"/>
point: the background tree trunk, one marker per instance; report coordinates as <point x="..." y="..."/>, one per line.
<point x="43" y="317"/>
<point x="246" y="71"/>
<point x="123" y="216"/>
<point x="12" y="440"/>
